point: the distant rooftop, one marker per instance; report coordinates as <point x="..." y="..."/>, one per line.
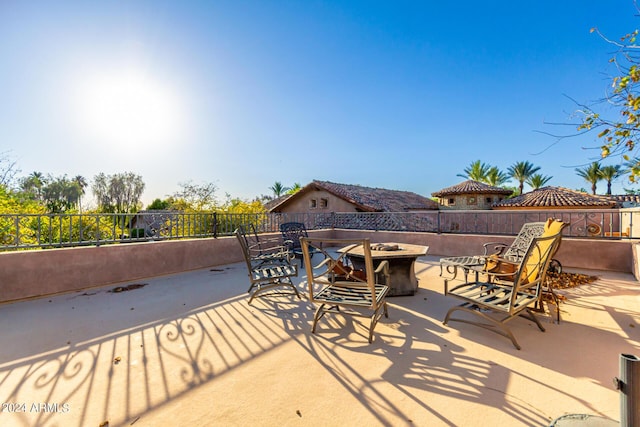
<point x="559" y="197"/>
<point x="471" y="187"/>
<point x="366" y="198"/>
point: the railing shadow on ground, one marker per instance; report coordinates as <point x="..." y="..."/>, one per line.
<point x="126" y="373"/>
<point x="130" y="370"/>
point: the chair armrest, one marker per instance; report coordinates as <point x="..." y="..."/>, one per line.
<point x="268" y="246"/>
<point x="498" y="246"/>
<point x="505" y="269"/>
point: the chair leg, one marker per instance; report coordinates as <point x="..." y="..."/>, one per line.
<point x="290" y="283"/>
<point x="317" y="316"/>
<point x="531" y="316"/>
<point x="263" y="287"/>
<point x="493" y="325"/>
<point x="374" y="320"/>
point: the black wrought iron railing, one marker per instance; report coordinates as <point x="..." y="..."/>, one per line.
<point x="27" y="231"/>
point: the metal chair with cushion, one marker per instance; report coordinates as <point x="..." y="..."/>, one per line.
<point x="496" y="302"/>
<point x="513" y="252"/>
<point x="338" y="288"/>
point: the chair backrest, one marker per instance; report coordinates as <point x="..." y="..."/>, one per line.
<point x="532" y="271"/>
<point x="519" y="246"/>
<point x="244" y="244"/>
<point x="336" y="268"/>
<point x="250" y="237"/>
<point x="292" y="232"/>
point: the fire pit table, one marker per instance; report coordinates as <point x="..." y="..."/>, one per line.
<point x="401" y="257"/>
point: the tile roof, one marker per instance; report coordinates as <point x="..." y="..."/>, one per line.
<point x="370" y="199"/>
<point x="275" y="202"/>
<point x="626" y="200"/>
<point x="556" y="197"/>
<point x="471" y="187"/>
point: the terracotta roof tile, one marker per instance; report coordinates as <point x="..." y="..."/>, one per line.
<point x="366" y="198"/>
<point x="379" y="199"/>
<point x="556" y="197"/>
<point x="625" y="200"/>
<point x="471" y="187"/>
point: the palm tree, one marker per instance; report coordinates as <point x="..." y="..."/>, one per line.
<point x="294" y="188"/>
<point x="590" y="174"/>
<point x="609" y="173"/>
<point x="476" y="171"/>
<point x="538" y="180"/>
<point x="521" y="171"/>
<point x="278" y="189"/>
<point x="34" y="183"/>
<point x="81" y="182"/>
<point x="496" y="177"/>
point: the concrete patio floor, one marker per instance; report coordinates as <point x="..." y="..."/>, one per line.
<point x="187" y="350"/>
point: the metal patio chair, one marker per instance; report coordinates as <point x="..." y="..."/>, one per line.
<point x="267" y="270"/>
<point x="338" y="288"/>
<point x="497" y="302"/>
<point x="291" y="234"/>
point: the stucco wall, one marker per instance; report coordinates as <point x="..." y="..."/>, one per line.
<point x="593" y="254"/>
<point x="470" y="201"/>
<point x="303" y="203"/>
<point x="35" y="273"/>
<point x="29" y="274"/>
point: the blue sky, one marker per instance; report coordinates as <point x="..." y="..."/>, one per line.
<point x="395" y="94"/>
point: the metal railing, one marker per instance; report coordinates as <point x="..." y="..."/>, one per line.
<point x="26" y="231"/>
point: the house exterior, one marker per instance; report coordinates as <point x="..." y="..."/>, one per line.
<point x="148" y="223"/>
<point x="471" y="195"/>
<point x="326" y="197"/>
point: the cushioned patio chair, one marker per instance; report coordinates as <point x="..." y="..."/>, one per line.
<point x="495" y="302"/>
<point x="267" y="270"/>
<point x="337" y="288"/>
<point x="512" y="252"/>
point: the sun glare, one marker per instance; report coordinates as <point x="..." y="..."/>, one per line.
<point x="128" y="108"/>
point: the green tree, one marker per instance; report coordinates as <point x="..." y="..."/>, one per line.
<point x="60" y="194"/>
<point x="81" y="182"/>
<point x="159" y="205"/>
<point x="476" y="171"/>
<point x="610" y="173"/>
<point x="619" y="135"/>
<point x="591" y="174"/>
<point x="239" y="206"/>
<point x="521" y="171"/>
<point x="118" y="193"/>
<point x="294" y="188"/>
<point x="496" y="177"/>
<point x="32" y="185"/>
<point x="278" y="189"/>
<point x="197" y="197"/>
<point x="538" y="180"/>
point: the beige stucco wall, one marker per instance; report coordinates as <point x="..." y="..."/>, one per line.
<point x="466" y="201"/>
<point x="592" y="254"/>
<point x="29" y="274"/>
<point x="302" y="203"/>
